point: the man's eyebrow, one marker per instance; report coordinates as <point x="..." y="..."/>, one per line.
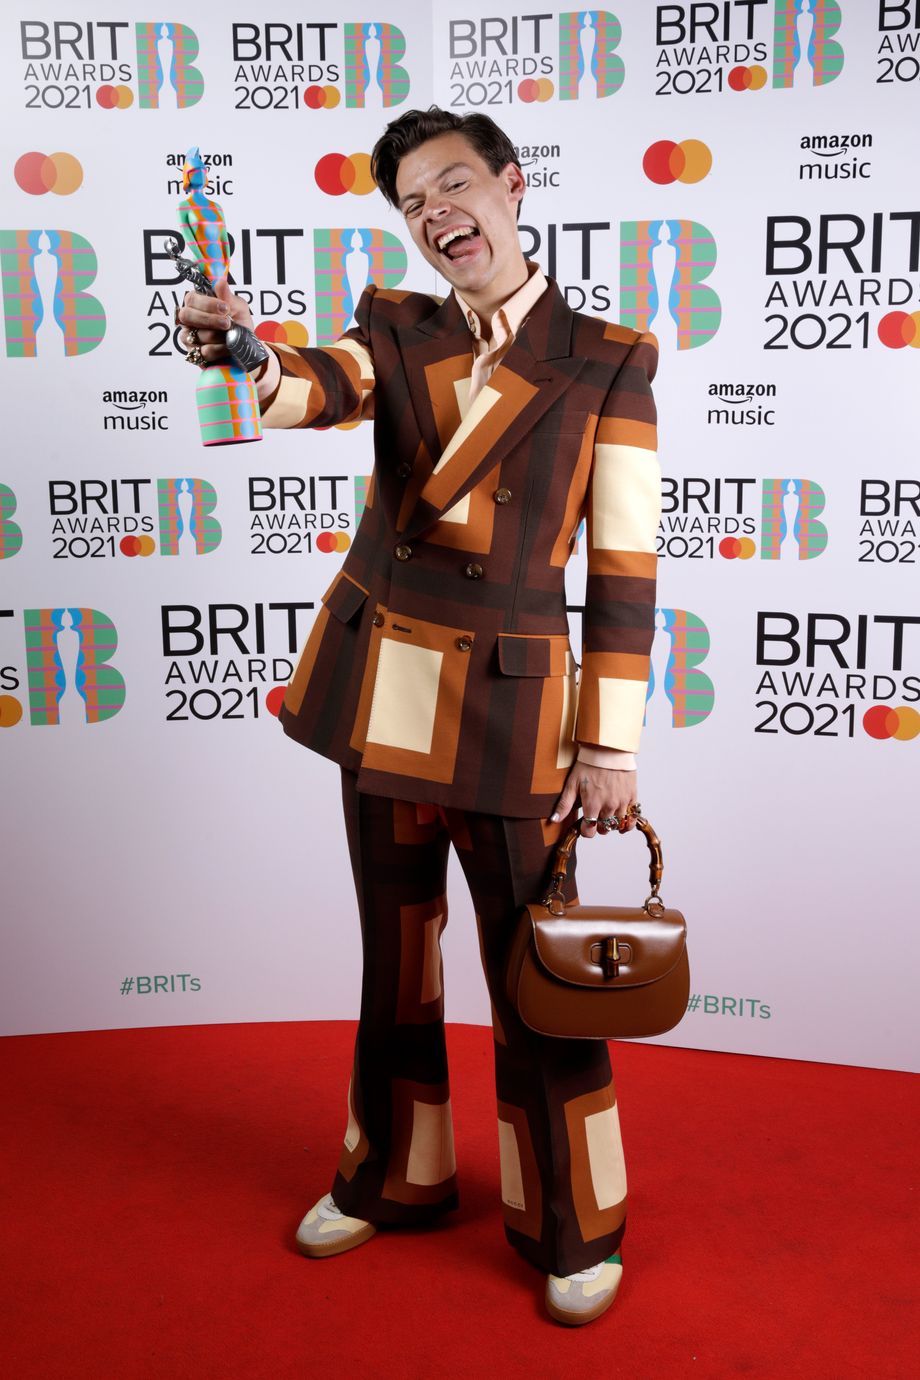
<point x="451" y="167"/>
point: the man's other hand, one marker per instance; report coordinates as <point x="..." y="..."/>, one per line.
<point x="604" y="795"/>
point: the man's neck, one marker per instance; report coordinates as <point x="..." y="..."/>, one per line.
<point x="486" y="304"/>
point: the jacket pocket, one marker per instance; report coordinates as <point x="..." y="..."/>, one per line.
<point x="542" y="654"/>
<point x="344" y="597"/>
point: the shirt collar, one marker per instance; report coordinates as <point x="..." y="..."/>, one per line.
<point x="510" y="316"/>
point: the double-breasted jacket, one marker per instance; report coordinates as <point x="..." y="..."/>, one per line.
<point x="439" y="667"/>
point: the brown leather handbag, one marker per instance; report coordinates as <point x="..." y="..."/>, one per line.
<point x="599" y="972"/>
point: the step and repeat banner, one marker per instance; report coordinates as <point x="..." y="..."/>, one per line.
<point x="737" y="177"/>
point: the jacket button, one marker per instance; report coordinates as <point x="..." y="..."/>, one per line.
<point x="404" y="470"/>
<point x="502" y="495"/>
<point x="378" y="620"/>
<point x="464" y="644"/>
<point x="473" y="571"/>
<point x="402" y="553"/>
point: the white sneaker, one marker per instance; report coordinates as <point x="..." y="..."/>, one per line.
<point x="327" y="1231"/>
<point x="586" y="1294"/>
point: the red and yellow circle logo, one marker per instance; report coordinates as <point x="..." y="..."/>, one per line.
<point x="748" y="78"/>
<point x="321" y="97"/>
<point x="284" y="333"/>
<point x="535" y="89"/>
<point x="38" y="173"/>
<point x="666" y="162"/>
<point x="114" y="97"/>
<point x="899" y="328"/>
<point x="737" y="548"/>
<point x="890" y="721"/>
<point x="337" y="174"/>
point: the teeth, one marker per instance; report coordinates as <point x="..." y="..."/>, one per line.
<point x="454" y="234"/>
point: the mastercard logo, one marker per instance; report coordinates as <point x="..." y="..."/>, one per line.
<point x="536" y="89"/>
<point x="666" y="162"/>
<point x="114" y="97"/>
<point x="899" y="328"/>
<point x="321" y="97"/>
<point x="10" y="711"/>
<point x="737" y="548"/>
<point x="890" y="721"/>
<point x="747" y="78"/>
<point x="38" y="173"/>
<point x="333" y="541"/>
<point x="275" y="699"/>
<point x="137" y="546"/>
<point x="283" y="333"/>
<point x="337" y="174"/>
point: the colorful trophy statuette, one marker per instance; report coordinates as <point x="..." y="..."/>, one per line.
<point x="228" y="409"/>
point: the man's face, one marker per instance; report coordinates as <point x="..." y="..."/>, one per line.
<point x="462" y="216"/>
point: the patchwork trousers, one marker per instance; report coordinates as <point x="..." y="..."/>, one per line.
<point x="563" y="1182"/>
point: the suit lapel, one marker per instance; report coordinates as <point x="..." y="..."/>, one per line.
<point x="533" y="374"/>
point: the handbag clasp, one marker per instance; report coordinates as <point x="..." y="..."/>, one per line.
<point x="611" y="957"/>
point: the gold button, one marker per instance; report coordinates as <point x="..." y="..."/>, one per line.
<point x="404" y="470"/>
<point x="463" y="644"/>
<point x="473" y="571"/>
<point x="402" y="553"/>
<point x="378" y="620"/>
<point x="502" y="495"/>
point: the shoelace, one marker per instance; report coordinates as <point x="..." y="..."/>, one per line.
<point x="588" y="1275"/>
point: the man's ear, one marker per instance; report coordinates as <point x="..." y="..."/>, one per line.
<point x="515" y="181"/>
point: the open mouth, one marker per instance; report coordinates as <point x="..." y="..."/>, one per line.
<point x="459" y="242"/>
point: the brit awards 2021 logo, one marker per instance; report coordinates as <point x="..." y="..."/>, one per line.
<point x="71" y="65"/>
<point x="99" y="518"/>
<point x="705" y="517"/>
<point x="499" y="60"/>
<point x="681" y="644"/>
<point x="744" y="45"/>
<point x="46" y="311"/>
<point x="309" y="65"/>
<point x="295" y="514"/>
<point x="69" y="675"/>
<point x="10" y="531"/>
<point x="662" y="267"/>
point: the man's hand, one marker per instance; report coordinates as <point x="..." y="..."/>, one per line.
<point x="212" y="318"/>
<point x="603" y="795"/>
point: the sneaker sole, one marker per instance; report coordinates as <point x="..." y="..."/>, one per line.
<point x="573" y="1319"/>
<point x="321" y="1249"/>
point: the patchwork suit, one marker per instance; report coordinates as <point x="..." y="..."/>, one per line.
<point x="439" y="675"/>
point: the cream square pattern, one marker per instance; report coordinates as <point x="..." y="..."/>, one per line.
<point x="621" y="707"/>
<point x="405" y="696"/>
<point x="460" y="512"/>
<point x="626" y="498"/>
<point x="431" y="961"/>
<point x="510" y="1159"/>
<point x="565" y="755"/>
<point x="605" y="1157"/>
<point x="352" y="1130"/>
<point x="290" y="405"/>
<point x="431" y="1150"/>
<point x="483" y="403"/>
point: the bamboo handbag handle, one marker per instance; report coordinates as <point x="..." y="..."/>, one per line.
<point x="653" y="903"/>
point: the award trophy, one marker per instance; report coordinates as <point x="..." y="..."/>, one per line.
<point x="228" y="409"/>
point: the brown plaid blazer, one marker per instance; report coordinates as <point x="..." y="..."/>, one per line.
<point x="439" y="666"/>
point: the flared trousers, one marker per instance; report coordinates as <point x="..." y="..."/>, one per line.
<point x="563" y="1181"/>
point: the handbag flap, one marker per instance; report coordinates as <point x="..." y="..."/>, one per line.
<point x="572" y="947"/>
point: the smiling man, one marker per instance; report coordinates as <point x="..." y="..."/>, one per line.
<point x="439" y="676"/>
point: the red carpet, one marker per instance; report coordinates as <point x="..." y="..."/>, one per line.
<point x="154" y="1179"/>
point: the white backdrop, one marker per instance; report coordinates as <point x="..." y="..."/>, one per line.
<point x="176" y="859"/>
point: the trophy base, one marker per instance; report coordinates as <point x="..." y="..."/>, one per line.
<point x="228" y="408"/>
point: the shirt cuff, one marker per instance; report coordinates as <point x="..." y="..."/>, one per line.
<point x="612" y="759"/>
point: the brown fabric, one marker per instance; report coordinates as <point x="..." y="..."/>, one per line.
<point x="563" y="428"/>
<point x="562" y="1177"/>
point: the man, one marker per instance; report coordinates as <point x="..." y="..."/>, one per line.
<point x="439" y="676"/>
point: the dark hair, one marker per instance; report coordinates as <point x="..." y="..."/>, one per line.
<point x="416" y="127"/>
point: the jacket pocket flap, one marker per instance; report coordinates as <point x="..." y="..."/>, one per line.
<point x="344" y="597"/>
<point x="519" y="655"/>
